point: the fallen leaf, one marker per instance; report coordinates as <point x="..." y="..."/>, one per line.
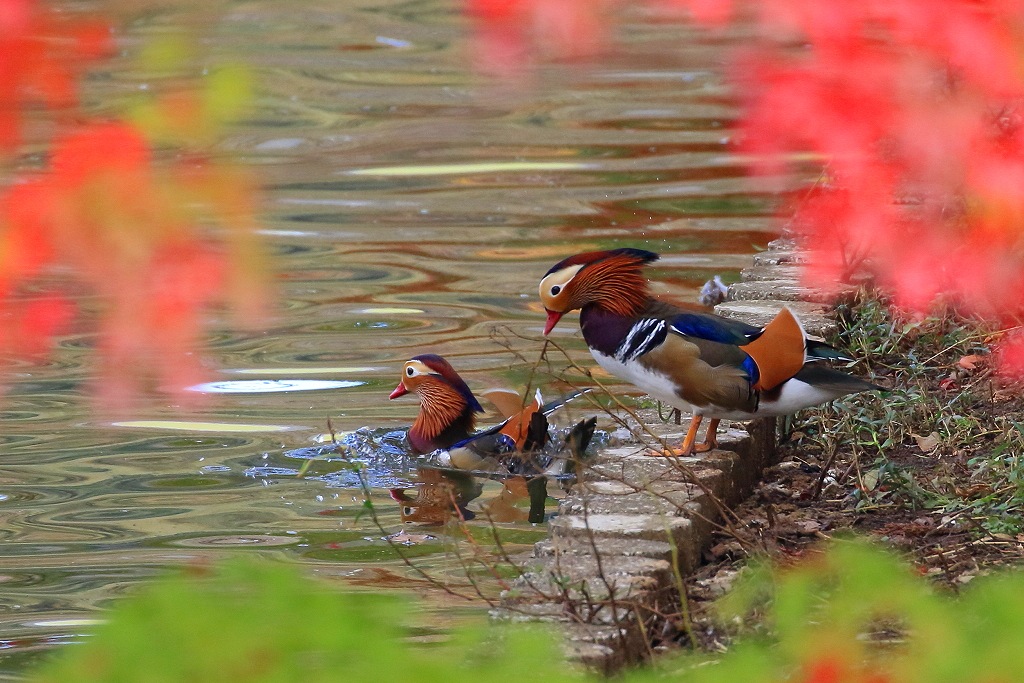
<point x="928" y="443"/>
<point x="808" y="527"/>
<point x="970" y="362"/>
<point x="726" y="549"/>
<point x="972" y="491"/>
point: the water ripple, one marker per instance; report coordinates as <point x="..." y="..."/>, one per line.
<point x="406" y="211"/>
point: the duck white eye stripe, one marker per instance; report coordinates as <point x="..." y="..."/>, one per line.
<point x="643" y="336"/>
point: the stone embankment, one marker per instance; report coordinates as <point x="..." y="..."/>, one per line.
<point x="634" y="526"/>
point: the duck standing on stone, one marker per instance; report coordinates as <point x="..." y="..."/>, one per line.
<point x="700" y="362"/>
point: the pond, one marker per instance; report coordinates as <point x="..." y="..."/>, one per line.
<point x="411" y="207"/>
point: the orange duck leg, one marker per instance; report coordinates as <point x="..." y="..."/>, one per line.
<point x="689" y="447"/>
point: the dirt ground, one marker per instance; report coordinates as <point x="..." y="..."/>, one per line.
<point x="799" y="504"/>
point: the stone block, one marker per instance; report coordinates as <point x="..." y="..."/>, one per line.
<point x="670" y="499"/>
<point x="677" y="531"/>
<point x="640" y="472"/>
<point x="761" y="312"/>
<point x="773" y="272"/>
<point x="606" y="648"/>
<point x="790" y="292"/>
<point x="609" y="547"/>
<point x="779" y="252"/>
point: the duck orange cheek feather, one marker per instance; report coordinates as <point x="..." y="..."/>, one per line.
<point x="553" y="318"/>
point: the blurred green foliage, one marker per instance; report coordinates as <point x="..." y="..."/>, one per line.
<point x="852" y="614"/>
<point x="856" y="613"/>
<point x="263" y="622"/>
<point x="186" y="103"/>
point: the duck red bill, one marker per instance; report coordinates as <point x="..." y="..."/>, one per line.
<point x="399" y="495"/>
<point x="400" y="390"/>
<point x="553" y="318"/>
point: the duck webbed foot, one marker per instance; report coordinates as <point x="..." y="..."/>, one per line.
<point x="710" y="437"/>
<point x="689" y="447"/>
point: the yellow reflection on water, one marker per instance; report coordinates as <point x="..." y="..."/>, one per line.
<point x="201" y="426"/>
<point x="391" y="311"/>
<point x="302" y="370"/>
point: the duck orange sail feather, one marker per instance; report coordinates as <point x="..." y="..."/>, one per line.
<point x="779" y="352"/>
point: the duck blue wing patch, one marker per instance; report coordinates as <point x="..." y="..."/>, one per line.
<point x="753" y="374"/>
<point x="713" y="328"/>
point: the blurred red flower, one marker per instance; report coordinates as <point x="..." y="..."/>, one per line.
<point x="1010" y="356"/>
<point x="138" y="237"/>
<point x="914" y="109"/>
<point x="43" y="56"/>
<point x="825" y="670"/>
<point x="510" y="35"/>
<point x="830" y="668"/>
<point x="145" y="246"/>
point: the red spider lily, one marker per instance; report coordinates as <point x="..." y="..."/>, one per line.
<point x="915" y="109"/>
<point x="831" y="669"/>
<point x="28" y="326"/>
<point x="147" y="247"/>
<point x="1010" y="356"/>
<point x="512" y="34"/>
<point x="914" y="106"/>
<point x="825" y="670"/>
<point x="868" y="104"/>
<point x="43" y="56"/>
<point x="130" y="234"/>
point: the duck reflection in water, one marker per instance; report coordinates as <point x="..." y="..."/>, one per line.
<point x="442" y="494"/>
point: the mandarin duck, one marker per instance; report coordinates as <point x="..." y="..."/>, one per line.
<point x="447" y="418"/>
<point x="699" y="362"/>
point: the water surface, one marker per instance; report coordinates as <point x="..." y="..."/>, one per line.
<point x="410" y="207"/>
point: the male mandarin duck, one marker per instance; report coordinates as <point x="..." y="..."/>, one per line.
<point x="709" y="365"/>
<point x="447" y="418"/>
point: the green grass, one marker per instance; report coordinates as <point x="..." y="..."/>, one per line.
<point x="947" y="436"/>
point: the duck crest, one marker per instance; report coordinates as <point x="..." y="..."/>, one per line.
<point x="443" y="368"/>
<point x="641" y="256"/>
<point x="613" y="280"/>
